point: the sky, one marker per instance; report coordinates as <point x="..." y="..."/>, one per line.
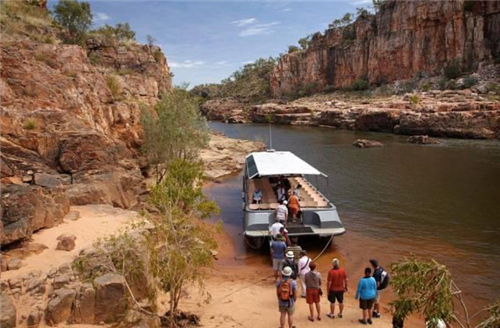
<point x="206" y="41"/>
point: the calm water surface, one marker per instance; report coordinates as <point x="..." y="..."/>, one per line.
<point x="440" y="201"/>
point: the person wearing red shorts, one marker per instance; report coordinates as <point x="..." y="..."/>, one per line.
<point x="294" y="207"/>
<point x="313" y="291"/>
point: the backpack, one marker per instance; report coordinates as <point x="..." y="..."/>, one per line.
<point x="285" y="290"/>
<point x="384" y="281"/>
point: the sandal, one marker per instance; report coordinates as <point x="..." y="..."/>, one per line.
<point x="331" y="316"/>
<point x="310" y="319"/>
<point x="362" y="321"/>
<point x="319" y="318"/>
<point x="340" y="316"/>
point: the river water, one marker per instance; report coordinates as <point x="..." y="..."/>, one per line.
<point x="434" y="201"/>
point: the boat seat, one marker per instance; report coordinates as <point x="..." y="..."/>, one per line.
<point x="264" y="206"/>
<point x="253" y="207"/>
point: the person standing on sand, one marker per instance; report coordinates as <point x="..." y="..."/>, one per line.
<point x="278" y="249"/>
<point x="313" y="291"/>
<point x="286" y="289"/>
<point x="295" y="248"/>
<point x="382" y="279"/>
<point x="336" y="286"/>
<point x="303" y="270"/>
<point x="366" y="292"/>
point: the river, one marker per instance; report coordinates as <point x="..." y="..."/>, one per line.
<point x="434" y="201"/>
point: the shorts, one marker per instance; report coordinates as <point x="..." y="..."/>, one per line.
<point x="287" y="309"/>
<point x="366" y="304"/>
<point x="294" y="211"/>
<point x="312" y="296"/>
<point x="339" y="296"/>
<point x="377" y="296"/>
<point x="278" y="264"/>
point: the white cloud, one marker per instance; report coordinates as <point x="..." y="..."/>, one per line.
<point x="186" y="64"/>
<point x="258" y="29"/>
<point x="287" y="9"/>
<point x="244" y="22"/>
<point x="221" y="63"/>
<point x="101" y="17"/>
<point x="362" y="2"/>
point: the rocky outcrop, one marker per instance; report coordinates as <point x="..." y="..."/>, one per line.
<point x="225" y="155"/>
<point x="8" y="315"/>
<point x="26" y="209"/>
<point x="403" y="39"/>
<point x="225" y="110"/>
<point x="110" y="301"/>
<point x="364" y="143"/>
<point x="450" y="113"/>
<point x="422" y="140"/>
<point x="70" y="127"/>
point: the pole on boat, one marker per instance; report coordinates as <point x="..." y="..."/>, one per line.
<point x="270" y="137"/>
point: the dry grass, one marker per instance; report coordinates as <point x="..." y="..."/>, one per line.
<point x="30" y="124"/>
<point x="114" y="86"/>
<point x="19" y="18"/>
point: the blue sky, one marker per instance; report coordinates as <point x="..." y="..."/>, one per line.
<point x="205" y="41"/>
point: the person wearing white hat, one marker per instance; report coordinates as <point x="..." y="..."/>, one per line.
<point x="286" y="290"/>
<point x="336" y="287"/>
<point x="282" y="212"/>
<point x="290" y="262"/>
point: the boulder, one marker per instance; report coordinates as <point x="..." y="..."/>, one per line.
<point x="60" y="281"/>
<point x="14" y="264"/>
<point x="30" y="208"/>
<point x="66" y="242"/>
<point x="37" y="283"/>
<point x="377" y="120"/>
<point x="422" y="140"/>
<point x="48" y="180"/>
<point x="8" y="313"/>
<point x="364" y="143"/>
<point x="59" y="307"/>
<point x="34" y="318"/>
<point x="111" y="298"/>
<point x="83" y="311"/>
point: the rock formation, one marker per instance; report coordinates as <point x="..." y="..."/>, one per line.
<point x="70" y="127"/>
<point x="404" y="39"/>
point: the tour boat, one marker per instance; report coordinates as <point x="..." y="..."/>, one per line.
<point x="264" y="170"/>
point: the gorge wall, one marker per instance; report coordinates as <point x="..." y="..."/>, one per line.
<point x="404" y="39"/>
<point x="70" y="127"/>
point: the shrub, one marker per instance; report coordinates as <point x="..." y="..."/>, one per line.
<point x="442" y="83"/>
<point x="76" y="17"/>
<point x="414" y="99"/>
<point x="114" y="86"/>
<point x="292" y="49"/>
<point x="46" y="58"/>
<point x="30" y="124"/>
<point x="453" y="70"/>
<point x="426" y="87"/>
<point x="120" y="32"/>
<point x="70" y="73"/>
<point x="360" y="85"/>
<point x="329" y="88"/>
<point x="470" y="81"/>
<point x="158" y="56"/>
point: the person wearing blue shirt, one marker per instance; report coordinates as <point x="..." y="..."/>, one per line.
<point x="366" y="292"/>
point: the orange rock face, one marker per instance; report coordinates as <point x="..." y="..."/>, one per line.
<point x="404" y="39"/>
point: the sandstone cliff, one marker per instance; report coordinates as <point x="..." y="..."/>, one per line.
<point x="70" y="126"/>
<point x="404" y="39"/>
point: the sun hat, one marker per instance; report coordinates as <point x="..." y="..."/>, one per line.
<point x="285" y="202"/>
<point x="280" y="237"/>
<point x="287" y="271"/>
<point x="290" y="254"/>
<point x="335" y="262"/>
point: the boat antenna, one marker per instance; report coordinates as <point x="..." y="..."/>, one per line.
<point x="270" y="137"/>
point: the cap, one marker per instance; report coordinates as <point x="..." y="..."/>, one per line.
<point x="287" y="271"/>
<point x="374" y="262"/>
<point x="290" y="254"/>
<point x="285" y="202"/>
<point x="335" y="262"/>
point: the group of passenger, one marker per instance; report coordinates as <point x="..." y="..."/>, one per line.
<point x="288" y="199"/>
<point x="292" y="263"/>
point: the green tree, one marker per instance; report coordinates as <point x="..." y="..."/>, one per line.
<point x="428" y="288"/>
<point x="76" y="17"/>
<point x="377" y="4"/>
<point x="173" y="129"/>
<point x="180" y="245"/>
<point x="304" y="43"/>
<point x="120" y="32"/>
<point x="362" y="12"/>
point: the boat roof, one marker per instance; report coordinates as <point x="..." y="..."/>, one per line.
<point x="275" y="163"/>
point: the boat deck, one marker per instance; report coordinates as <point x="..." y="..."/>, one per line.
<point x="309" y="195"/>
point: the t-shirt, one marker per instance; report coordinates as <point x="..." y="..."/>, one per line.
<point x="377" y="275"/>
<point x="304" y="265"/>
<point x="313" y="280"/>
<point x="281" y="212"/>
<point x="337" y="278"/>
<point x="279" y="249"/>
<point x="291" y="301"/>
<point x="275" y="229"/>
<point x="367" y="288"/>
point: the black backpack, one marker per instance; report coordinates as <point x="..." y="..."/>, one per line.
<point x="384" y="279"/>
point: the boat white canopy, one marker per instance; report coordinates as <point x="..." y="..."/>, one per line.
<point x="275" y="163"/>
